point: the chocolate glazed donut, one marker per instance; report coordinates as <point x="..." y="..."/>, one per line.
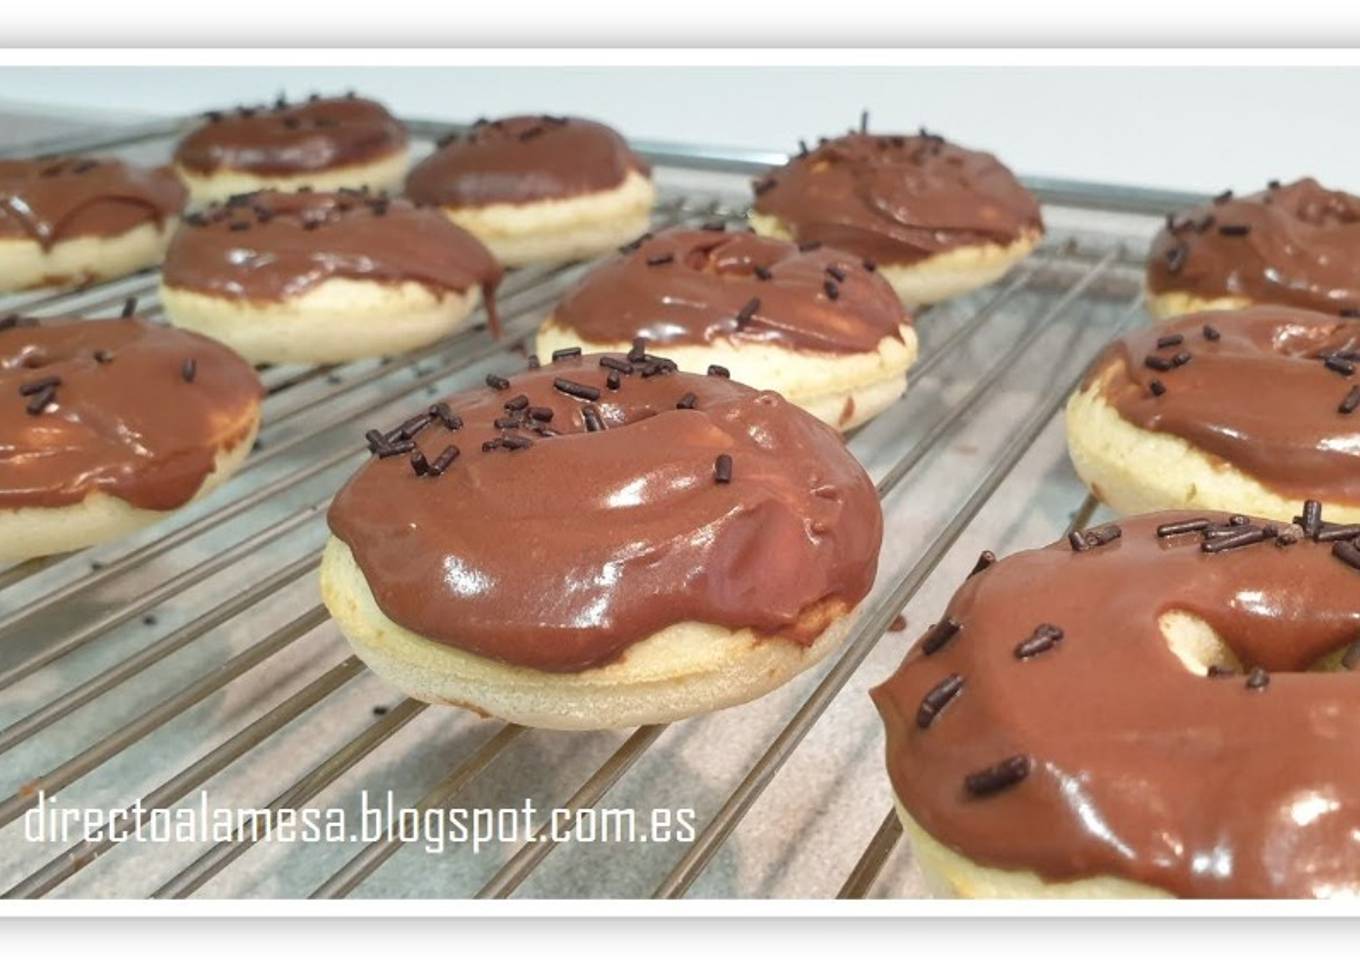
<point x="517" y="160"/>
<point x="1291" y="244"/>
<point x="319" y="135"/>
<point x="693" y="287"/>
<point x="1265" y="397"/>
<point x="602" y="515"/>
<point x="898" y="199"/>
<point x="108" y="423"/>
<point x="529" y="549"/>
<point x="51" y="200"/>
<point x="1053" y="722"/>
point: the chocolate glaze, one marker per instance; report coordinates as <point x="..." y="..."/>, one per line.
<point x="1260" y="397"/>
<point x="56" y="199"/>
<point x="318" y="135"/>
<point x="274" y="245"/>
<point x="132" y="426"/>
<point x="561" y="555"/>
<point x="1140" y="768"/>
<point x="1301" y="247"/>
<point x="692" y="287"/>
<point x="898" y="199"/>
<point x="517" y="160"/>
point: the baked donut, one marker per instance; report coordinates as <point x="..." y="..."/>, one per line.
<point x="1130" y="713"/>
<point x="325" y="143"/>
<point x="1246" y="410"/>
<point x="322" y="278"/>
<point x="76" y="220"/>
<point x="539" y="188"/>
<point x="602" y="541"/>
<point x="1291" y="244"/>
<point x="939" y="220"/>
<point x="814" y="324"/>
<point x="109" y="425"/>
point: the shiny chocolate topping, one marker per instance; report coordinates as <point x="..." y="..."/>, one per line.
<point x="1271" y="390"/>
<point x="121" y="406"/>
<point x="684" y="286"/>
<point x="1044" y="724"/>
<point x="56" y="199"/>
<point x="275" y="245"/>
<point x="1291" y="244"/>
<point x="318" y="135"/>
<point x="562" y="520"/>
<point x="522" y="159"/>
<point x="898" y="199"/>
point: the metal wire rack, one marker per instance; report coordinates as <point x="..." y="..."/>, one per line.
<point x="195" y="658"/>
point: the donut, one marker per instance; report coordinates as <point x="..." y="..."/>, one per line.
<point x="70" y="221"/>
<point x="326" y="143"/>
<point x="1292" y="244"/>
<point x="109" y="425"/>
<point x="939" y="220"/>
<point x="814" y="324"/>
<point x="601" y="541"/>
<point x="1157" y="707"/>
<point x="324" y="277"/>
<point x="537" y="189"/>
<point x="1246" y="410"/>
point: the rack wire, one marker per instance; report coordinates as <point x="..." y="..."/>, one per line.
<point x="195" y="657"/>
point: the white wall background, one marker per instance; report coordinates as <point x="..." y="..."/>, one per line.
<point x="1200" y="128"/>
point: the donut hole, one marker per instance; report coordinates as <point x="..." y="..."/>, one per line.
<point x="1199" y="646"/>
<point x="1196" y="644"/>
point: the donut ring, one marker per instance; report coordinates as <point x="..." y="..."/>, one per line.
<point x="536" y="189"/>
<point x="939" y="220"/>
<point x="326" y="143"/>
<point x="1292" y="244"/>
<point x="323" y="278"/>
<point x="815" y="325"/>
<point x="1248" y="410"/>
<point x="70" y="221"/>
<point x="561" y="553"/>
<point x="110" y="425"/>
<point x="1130" y="713"/>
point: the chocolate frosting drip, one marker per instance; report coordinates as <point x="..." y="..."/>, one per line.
<point x="1294" y="244"/>
<point x="1138" y="768"/>
<point x="898" y="199"/>
<point x="144" y="424"/>
<point x="318" y="135"/>
<point x="56" y="199"/>
<point x="560" y="555"/>
<point x="521" y="159"/>
<point x="1262" y="397"/>
<point x="694" y="287"/>
<point x="273" y="245"/>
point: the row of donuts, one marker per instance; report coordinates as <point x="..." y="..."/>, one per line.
<point x="547" y="572"/>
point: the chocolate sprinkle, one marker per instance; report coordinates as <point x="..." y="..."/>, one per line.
<point x="1077" y="541"/>
<point x="419" y="463"/>
<point x="517" y="403"/>
<point x="1044" y="638"/>
<point x="718" y="371"/>
<point x="498" y="382"/>
<point x="722" y="469"/>
<point x="1180" y="528"/>
<point x="1157" y="387"/>
<point x="591" y="414"/>
<point x="832" y="291"/>
<point x="687" y="400"/>
<point x="38" y="385"/>
<point x="129" y="308"/>
<point x="984" y="562"/>
<point x="576" y="390"/>
<point x="1212" y="333"/>
<point x="1237" y="540"/>
<point x="1170" y="341"/>
<point x="748" y="311"/>
<point x="939" y="635"/>
<point x="613" y="380"/>
<point x="997" y="777"/>
<point x="937" y="699"/>
<point x="1336" y="533"/>
<point x="1339" y="365"/>
<point x="1258" y="679"/>
<point x="1347" y="552"/>
<point x="609" y="361"/>
<point x="189" y="370"/>
<point x="1311" y="519"/>
<point x="1234" y="230"/>
<point x="1157" y="363"/>
<point x="440" y="410"/>
<point x="1351" y="402"/>
<point x="562" y="353"/>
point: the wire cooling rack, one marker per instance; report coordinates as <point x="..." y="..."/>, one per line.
<point x="191" y="667"/>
